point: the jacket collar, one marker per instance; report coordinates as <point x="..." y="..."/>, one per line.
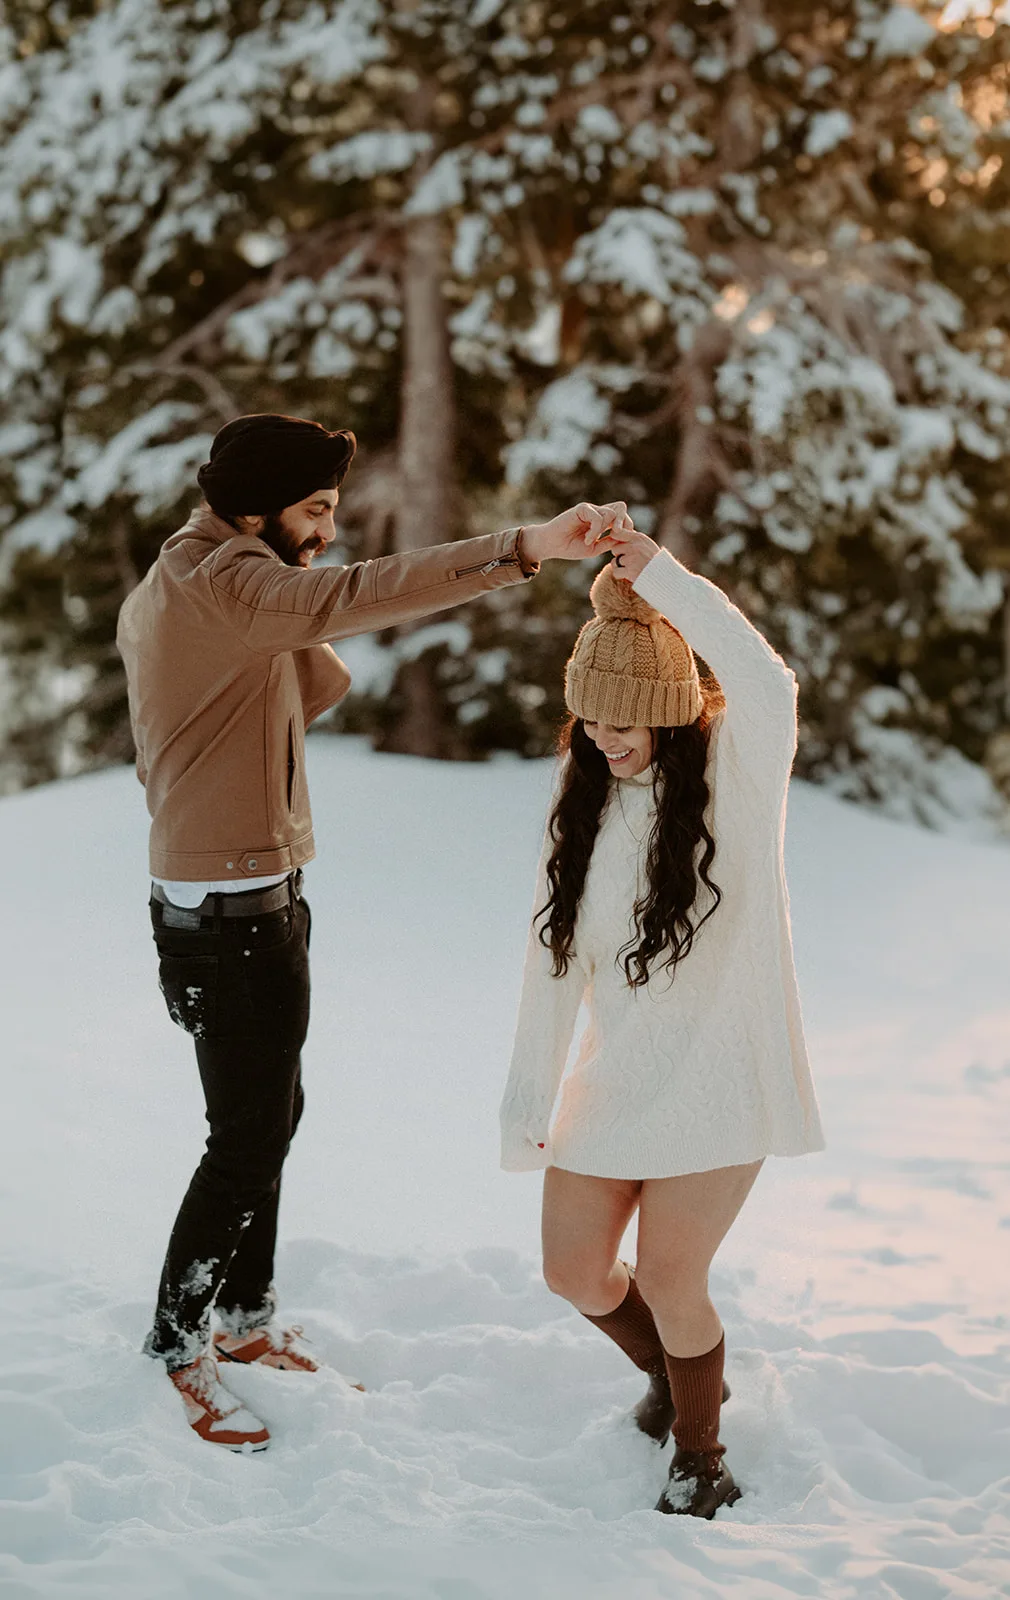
<point x="205" y="524"/>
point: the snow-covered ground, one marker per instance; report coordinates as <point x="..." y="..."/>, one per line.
<point x="864" y="1291"/>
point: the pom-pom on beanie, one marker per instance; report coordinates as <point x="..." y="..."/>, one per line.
<point x="261" y="463"/>
<point x="630" y="667"/>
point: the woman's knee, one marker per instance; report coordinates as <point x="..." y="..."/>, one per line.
<point x="579" y="1279"/>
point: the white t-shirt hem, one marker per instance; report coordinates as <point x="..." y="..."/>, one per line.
<point x="187" y="896"/>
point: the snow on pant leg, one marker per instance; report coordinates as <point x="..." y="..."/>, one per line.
<point x="242" y="990"/>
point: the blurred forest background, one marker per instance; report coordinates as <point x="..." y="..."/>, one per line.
<point x="744" y="265"/>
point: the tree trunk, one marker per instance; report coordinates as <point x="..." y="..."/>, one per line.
<point x="429" y="503"/>
<point x="698" y="462"/>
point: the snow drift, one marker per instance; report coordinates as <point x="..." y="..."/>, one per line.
<point x="863" y="1291"/>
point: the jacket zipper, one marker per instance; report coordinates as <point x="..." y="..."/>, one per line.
<point x="488" y="566"/>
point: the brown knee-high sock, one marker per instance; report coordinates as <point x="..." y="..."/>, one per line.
<point x="696" y="1387"/>
<point x="633" y="1327"/>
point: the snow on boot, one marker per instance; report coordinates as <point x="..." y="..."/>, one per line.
<point x="213" y="1412"/>
<point x="656" y="1413"/>
<point x="269" y="1346"/>
<point x="697" y="1486"/>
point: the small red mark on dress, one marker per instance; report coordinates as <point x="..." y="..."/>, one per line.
<point x="540" y="1147"/>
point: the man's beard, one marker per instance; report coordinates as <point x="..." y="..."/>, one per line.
<point x="293" y="551"/>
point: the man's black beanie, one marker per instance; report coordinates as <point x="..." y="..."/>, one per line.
<point x="262" y="463"/>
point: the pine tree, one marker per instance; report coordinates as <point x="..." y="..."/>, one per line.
<point x="735" y="263"/>
<point x="761" y="347"/>
<point x="157" y="186"/>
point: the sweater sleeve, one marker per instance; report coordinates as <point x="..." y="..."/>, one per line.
<point x="548" y="1007"/>
<point x="759" y="723"/>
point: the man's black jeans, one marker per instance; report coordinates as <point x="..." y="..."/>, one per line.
<point x="240" y="986"/>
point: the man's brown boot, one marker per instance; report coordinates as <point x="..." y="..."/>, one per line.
<point x="213" y="1412"/>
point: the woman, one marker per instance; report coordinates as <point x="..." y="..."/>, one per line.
<point x="662" y="903"/>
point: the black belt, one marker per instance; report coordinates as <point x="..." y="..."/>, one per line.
<point x="241" y="903"/>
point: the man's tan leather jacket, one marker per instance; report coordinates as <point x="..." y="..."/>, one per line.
<point x="228" y="661"/>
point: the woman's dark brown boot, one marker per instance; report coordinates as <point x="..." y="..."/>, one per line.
<point x="697" y="1486"/>
<point x="633" y="1328"/>
<point x="699" y="1481"/>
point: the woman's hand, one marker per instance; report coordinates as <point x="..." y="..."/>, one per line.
<point x="632" y="553"/>
<point x="584" y="530"/>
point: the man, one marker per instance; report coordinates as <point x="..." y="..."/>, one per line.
<point x="227" y="660"/>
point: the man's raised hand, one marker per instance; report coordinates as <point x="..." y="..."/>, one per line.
<point x="584" y="530"/>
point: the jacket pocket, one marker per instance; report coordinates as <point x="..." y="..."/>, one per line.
<point x="292" y="764"/>
<point x="190" y="987"/>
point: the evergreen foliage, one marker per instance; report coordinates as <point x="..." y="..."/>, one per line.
<point x="742" y="265"/>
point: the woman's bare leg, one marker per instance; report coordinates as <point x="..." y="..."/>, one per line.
<point x="681" y="1224"/>
<point x="584" y="1220"/>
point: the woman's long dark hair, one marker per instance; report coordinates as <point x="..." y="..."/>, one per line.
<point x="666" y="922"/>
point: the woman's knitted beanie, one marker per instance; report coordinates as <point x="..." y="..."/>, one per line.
<point x="630" y="667"/>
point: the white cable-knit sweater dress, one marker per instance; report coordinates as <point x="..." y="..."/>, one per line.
<point x="707" y="1068"/>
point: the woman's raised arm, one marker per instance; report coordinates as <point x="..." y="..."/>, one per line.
<point x="760" y="717"/>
